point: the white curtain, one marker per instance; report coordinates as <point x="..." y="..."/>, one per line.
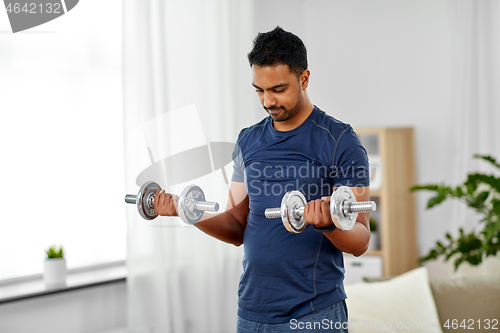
<point x="186" y="86"/>
<point x="476" y="104"/>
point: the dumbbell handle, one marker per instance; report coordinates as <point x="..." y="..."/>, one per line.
<point x="353" y="207"/>
<point x="205" y="206"/>
<point x="131" y="199"/>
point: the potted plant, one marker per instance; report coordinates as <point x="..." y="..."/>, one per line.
<point x="480" y="192"/>
<point x="54" y="272"/>
<point x="374" y="236"/>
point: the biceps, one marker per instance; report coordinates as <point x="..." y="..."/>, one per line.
<point x="361" y="193"/>
<point x="238" y="204"/>
<point x="237" y="194"/>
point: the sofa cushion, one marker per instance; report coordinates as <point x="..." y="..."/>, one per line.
<point x="403" y="303"/>
<point x="465" y="303"/>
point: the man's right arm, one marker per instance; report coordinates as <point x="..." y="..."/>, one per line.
<point x="230" y="225"/>
<point x="227" y="226"/>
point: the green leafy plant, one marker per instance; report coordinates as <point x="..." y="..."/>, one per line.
<point x="373" y="224"/>
<point x="52" y="252"/>
<point x="480" y="192"/>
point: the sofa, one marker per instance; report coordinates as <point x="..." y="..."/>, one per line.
<point x="412" y="302"/>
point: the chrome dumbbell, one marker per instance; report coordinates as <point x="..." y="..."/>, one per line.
<point x="344" y="209"/>
<point x="191" y="203"/>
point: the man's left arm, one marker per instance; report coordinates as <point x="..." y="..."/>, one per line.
<point x="354" y="241"/>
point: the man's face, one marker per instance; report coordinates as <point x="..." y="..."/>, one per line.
<point x="279" y="91"/>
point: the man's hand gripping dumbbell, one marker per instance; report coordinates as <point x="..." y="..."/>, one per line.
<point x="152" y="201"/>
<point x="342" y="209"/>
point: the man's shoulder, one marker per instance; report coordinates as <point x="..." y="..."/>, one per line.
<point x="253" y="129"/>
<point x="335" y="127"/>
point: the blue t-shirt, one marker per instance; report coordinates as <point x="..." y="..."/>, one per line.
<point x="287" y="275"/>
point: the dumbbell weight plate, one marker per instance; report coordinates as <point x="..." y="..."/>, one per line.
<point x="144" y="200"/>
<point x="290" y="204"/>
<point x="185" y="204"/>
<point x="342" y="197"/>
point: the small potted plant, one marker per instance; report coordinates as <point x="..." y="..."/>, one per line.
<point x="374" y="243"/>
<point x="55" y="272"/>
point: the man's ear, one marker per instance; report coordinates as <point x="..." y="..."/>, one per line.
<point x="304" y="79"/>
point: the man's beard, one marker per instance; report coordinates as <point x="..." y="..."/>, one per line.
<point x="285" y="114"/>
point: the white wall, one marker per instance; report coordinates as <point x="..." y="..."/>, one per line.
<point x="90" y="310"/>
<point x="381" y="63"/>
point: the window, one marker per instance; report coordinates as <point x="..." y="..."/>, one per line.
<point x="61" y="140"/>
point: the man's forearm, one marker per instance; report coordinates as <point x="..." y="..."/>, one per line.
<point x="223" y="226"/>
<point x="228" y="226"/>
<point x="354" y="241"/>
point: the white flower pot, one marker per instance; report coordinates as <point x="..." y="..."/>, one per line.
<point x="54" y="272"/>
<point x="374" y="243"/>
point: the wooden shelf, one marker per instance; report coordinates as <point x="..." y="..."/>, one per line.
<point x="394" y="149"/>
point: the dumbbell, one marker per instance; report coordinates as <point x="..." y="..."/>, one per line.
<point x="344" y="209"/>
<point x="191" y="203"/>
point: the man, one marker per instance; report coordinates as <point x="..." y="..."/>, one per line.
<point x="290" y="281"/>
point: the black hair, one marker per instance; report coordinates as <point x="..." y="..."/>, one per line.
<point x="279" y="47"/>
